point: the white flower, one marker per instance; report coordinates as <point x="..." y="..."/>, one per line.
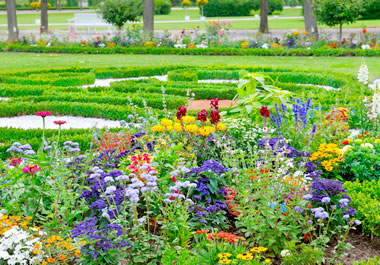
<point x="108" y="179"/>
<point x="179" y="45"/>
<point x="203" y="46"/>
<point x="265" y="46"/>
<point x="363" y="74"/>
<point x="285" y="253"/>
<point x="110" y="189"/>
<point x="366" y="145"/>
<point x="366" y="47"/>
<point x="375" y="110"/>
<point x="346" y="148"/>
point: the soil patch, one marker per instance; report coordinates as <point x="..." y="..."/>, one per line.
<point x="205" y="104"/>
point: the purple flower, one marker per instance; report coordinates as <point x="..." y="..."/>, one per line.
<point x="326" y="200"/>
<point x="357" y="222"/>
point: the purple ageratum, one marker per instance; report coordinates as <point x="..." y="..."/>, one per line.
<point x="326" y="200"/>
<point x="321" y="188"/>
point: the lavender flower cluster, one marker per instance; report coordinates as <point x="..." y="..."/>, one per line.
<point x="25" y="149"/>
<point x="71" y="147"/>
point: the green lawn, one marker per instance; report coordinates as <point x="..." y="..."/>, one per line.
<point x="19" y="61"/>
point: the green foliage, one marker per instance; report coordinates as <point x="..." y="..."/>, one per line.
<point x="178" y="256"/>
<point x="162" y="7"/>
<point x="365" y="200"/>
<point x="238" y="8"/>
<point x="119" y="12"/>
<point x="371" y="9"/>
<point x="373" y="261"/>
<point x="183" y="75"/>
<point x="338" y="12"/>
<point x="302" y="254"/>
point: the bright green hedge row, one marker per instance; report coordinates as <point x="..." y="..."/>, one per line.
<point x="152" y="100"/>
<point x="196" y="51"/>
<point x="365" y="199"/>
<point x="184" y="75"/>
<point x="54" y="79"/>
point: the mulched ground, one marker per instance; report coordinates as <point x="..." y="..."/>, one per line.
<point x="205" y="104"/>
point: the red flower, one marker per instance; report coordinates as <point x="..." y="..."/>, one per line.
<point x="284" y="214"/>
<point x="345" y="142"/>
<point x="364" y="31"/>
<point x="32" y="169"/>
<point x="43" y="114"/>
<point x="202" y="115"/>
<point x="181" y="112"/>
<point x="173" y="178"/>
<point x="264" y="112"/>
<point x="59" y="122"/>
<point x="199" y="232"/>
<point x="215" y="116"/>
<point x="264" y="170"/>
<point x="215" y="104"/>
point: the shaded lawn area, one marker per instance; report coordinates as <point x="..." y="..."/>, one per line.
<point x="350" y="65"/>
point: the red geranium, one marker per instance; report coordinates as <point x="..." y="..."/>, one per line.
<point x="264" y="112"/>
<point x="345" y="142"/>
<point x="364" y="31"/>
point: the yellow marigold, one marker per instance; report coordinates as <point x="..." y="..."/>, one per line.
<point x="295" y="33"/>
<point x="221" y="127"/>
<point x="166" y="122"/>
<point x="268" y="260"/>
<point x="359" y="141"/>
<point x="275" y="45"/>
<point x="44" y="263"/>
<point x="170" y="128"/>
<point x="149" y="44"/>
<point x="35" y="252"/>
<point x="188" y="119"/>
<point x="62" y="257"/>
<point x="50" y="260"/>
<point x="210" y="128"/>
<point x="304" y="32"/>
<point x="204" y="131"/>
<point x="48" y="245"/>
<point x="28" y="218"/>
<point x="244" y="44"/>
<point x="158" y="128"/>
<point x="224" y="261"/>
<point x="77" y="253"/>
<point x="192" y="128"/>
<point x="177" y="127"/>
<point x="377" y="141"/>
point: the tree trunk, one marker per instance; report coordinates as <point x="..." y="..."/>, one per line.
<point x="309" y="16"/>
<point x="340" y="32"/>
<point x="264" y="10"/>
<point x="12" y="20"/>
<point x="44" y="17"/>
<point x="81" y="4"/>
<point x="149" y="15"/>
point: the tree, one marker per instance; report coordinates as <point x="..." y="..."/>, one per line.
<point x="118" y="12"/>
<point x="149" y="15"/>
<point x="264" y="9"/>
<point x="338" y="12"/>
<point x="309" y="16"/>
<point x="44" y="17"/>
<point x="12" y="20"/>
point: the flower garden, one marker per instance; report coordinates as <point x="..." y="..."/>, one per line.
<point x="286" y="172"/>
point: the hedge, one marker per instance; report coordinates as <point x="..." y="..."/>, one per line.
<point x="195" y="51"/>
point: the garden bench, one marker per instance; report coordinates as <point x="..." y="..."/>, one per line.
<point x="88" y="20"/>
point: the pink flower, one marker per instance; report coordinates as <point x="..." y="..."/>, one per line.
<point x="59" y="122"/>
<point x="43" y="114"/>
<point x="31" y="169"/>
<point x="220" y="32"/>
<point x="215" y="104"/>
<point x="15" y="161"/>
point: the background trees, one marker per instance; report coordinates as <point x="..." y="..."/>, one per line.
<point x="149" y="15"/>
<point x="264" y="16"/>
<point x="12" y="20"/>
<point x="118" y="12"/>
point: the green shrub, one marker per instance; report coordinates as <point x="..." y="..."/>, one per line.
<point x="371" y="9"/>
<point x="366" y="201"/>
<point x="162" y="7"/>
<point x="224" y="8"/>
<point x="182" y="75"/>
<point x="119" y="12"/>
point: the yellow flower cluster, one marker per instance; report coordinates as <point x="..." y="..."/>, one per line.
<point x="60" y="247"/>
<point x="7" y="222"/>
<point x="202" y="2"/>
<point x="225" y="258"/>
<point x="244" y="44"/>
<point x="150" y="44"/>
<point x="329" y="155"/>
<point x="205" y="130"/>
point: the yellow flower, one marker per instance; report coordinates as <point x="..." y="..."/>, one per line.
<point x="350" y="140"/>
<point x="28" y="218"/>
<point x="188" y="119"/>
<point x="221" y="127"/>
<point x="245" y="256"/>
<point x="48" y="245"/>
<point x="268" y="260"/>
<point x="158" y="128"/>
<point x="359" y="141"/>
<point x="177" y="127"/>
<point x="62" y="257"/>
<point x="170" y="128"/>
<point x="44" y="263"/>
<point x="224" y="261"/>
<point x="204" y="131"/>
<point x="166" y="122"/>
<point x="210" y="128"/>
<point x="377" y="141"/>
<point x="224" y="255"/>
<point x="295" y="33"/>
<point x="244" y="44"/>
<point x="304" y="32"/>
<point x="192" y="128"/>
<point x="35" y="252"/>
<point x="76" y="253"/>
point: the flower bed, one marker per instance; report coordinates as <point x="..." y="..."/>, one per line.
<point x="265" y="181"/>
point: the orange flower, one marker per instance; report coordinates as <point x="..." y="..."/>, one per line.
<point x="364" y="31"/>
<point x="50" y="260"/>
<point x="199" y="232"/>
<point x="62" y="257"/>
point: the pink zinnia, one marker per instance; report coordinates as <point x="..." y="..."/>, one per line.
<point x="43" y="114"/>
<point x="15" y="161"/>
<point x="31" y="169"/>
<point x="59" y="122"/>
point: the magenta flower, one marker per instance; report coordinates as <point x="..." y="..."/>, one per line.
<point x="43" y="114"/>
<point x="215" y="117"/>
<point x="202" y="116"/>
<point x="15" y="161"/>
<point x="31" y="169"/>
<point x="59" y="122"/>
<point x="215" y="104"/>
<point x="181" y="112"/>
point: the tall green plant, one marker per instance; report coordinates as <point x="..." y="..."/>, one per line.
<point x="119" y="12"/>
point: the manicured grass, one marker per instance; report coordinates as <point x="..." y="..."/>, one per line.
<point x="19" y="61"/>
